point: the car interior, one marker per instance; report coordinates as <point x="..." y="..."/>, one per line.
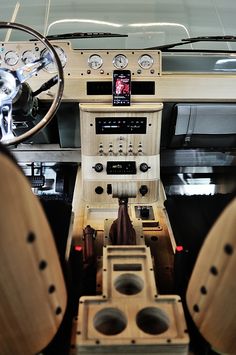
<point x="117" y="177"/>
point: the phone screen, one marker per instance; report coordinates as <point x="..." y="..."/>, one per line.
<point x="121" y="87"/>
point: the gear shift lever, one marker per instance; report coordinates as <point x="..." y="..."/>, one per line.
<point x="122" y="231"/>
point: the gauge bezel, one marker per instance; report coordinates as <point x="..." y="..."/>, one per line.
<point x="140" y="59"/>
<point x="16" y="56"/>
<point x="118" y="66"/>
<point x="51" y="67"/>
<point x="30" y="52"/>
<point x="90" y="61"/>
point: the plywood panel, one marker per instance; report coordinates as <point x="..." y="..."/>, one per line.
<point x="32" y="291"/>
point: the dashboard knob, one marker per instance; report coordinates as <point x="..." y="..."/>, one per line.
<point x="144" y="167"/>
<point x="143" y="190"/>
<point x="98" y="167"/>
<point x="99" y="190"/>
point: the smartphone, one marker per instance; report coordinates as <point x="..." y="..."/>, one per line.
<point x="121" y="87"/>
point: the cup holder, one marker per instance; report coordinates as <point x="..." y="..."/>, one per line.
<point x="129" y="284"/>
<point x="152" y="320"/>
<point x="110" y="321"/>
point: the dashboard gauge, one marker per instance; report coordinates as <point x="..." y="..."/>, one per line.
<point x="145" y="61"/>
<point x="120" y="61"/>
<point x="51" y="68"/>
<point x="95" y="61"/>
<point x="28" y="57"/>
<point x="11" y="58"/>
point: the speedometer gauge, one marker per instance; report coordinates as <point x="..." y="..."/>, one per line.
<point x="51" y="67"/>
<point x="145" y="61"/>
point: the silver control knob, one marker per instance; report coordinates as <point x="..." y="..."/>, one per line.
<point x="98" y="167"/>
<point x="144" y="167"/>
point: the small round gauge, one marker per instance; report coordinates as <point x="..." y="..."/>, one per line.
<point x="95" y="61"/>
<point x="145" y="61"/>
<point x="11" y="58"/>
<point x="28" y="57"/>
<point x="120" y="61"/>
<point x="51" y="68"/>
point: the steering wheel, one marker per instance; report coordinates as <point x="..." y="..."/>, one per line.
<point x="11" y="84"/>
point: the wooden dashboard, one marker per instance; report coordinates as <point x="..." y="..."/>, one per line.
<point x="86" y="68"/>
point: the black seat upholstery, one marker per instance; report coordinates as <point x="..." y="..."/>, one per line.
<point x="191" y="218"/>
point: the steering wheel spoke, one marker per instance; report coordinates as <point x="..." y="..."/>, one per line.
<point x="29" y="70"/>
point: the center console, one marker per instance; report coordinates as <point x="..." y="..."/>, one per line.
<point x="120" y="155"/>
<point x="120" y="145"/>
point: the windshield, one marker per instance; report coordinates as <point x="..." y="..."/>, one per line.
<point x="147" y="23"/>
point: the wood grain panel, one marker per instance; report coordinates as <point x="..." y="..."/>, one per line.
<point x="211" y="292"/>
<point x="32" y="290"/>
